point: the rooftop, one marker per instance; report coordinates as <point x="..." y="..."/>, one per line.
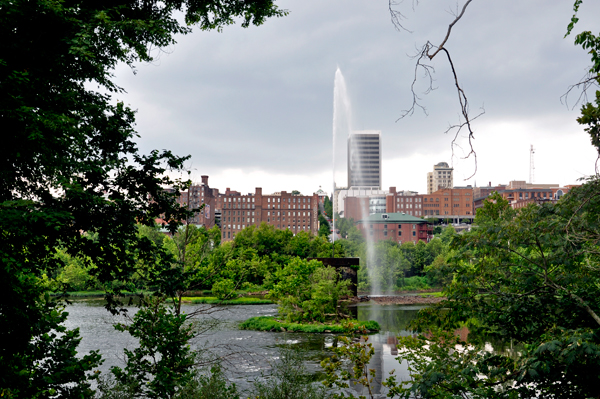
<point x="392" y="218"/>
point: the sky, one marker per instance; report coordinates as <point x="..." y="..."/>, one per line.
<point x="254" y="107"/>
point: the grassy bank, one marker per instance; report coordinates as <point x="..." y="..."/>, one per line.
<point x="211" y="300"/>
<point x="269" y="323"/>
<point x="437" y="294"/>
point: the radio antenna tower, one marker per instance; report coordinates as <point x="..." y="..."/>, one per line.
<point x="531" y="165"/>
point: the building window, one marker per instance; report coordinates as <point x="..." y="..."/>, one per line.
<point x="414" y="233"/>
<point x="399" y="233"/>
<point x="385" y="233"/>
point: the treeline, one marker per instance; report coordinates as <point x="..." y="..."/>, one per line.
<point x="244" y="263"/>
<point x="396" y="267"/>
<point x="251" y="260"/>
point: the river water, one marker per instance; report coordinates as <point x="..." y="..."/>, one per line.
<point x="247" y="353"/>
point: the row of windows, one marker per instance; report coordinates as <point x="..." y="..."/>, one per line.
<point x="243" y="226"/>
<point x="238" y="213"/>
<point x="290" y="200"/>
<point x="289" y="213"/>
<point x="385" y="233"/>
<point x="251" y="199"/>
<point x="385" y="226"/>
<point x="401" y="199"/>
<point x="238" y="205"/>
<point x="436" y="212"/>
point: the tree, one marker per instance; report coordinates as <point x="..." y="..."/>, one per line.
<point x="324" y="228"/>
<point x="73" y="165"/>
<point x="528" y="277"/>
<point x="328" y="207"/>
<point x="307" y="291"/>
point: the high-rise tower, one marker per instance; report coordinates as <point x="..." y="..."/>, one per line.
<point x="364" y="159"/>
<point x="441" y="177"/>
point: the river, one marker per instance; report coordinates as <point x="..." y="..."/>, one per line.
<point x="247" y="353"/>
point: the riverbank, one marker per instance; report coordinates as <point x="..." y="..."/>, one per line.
<point x="210" y="300"/>
<point x="270" y="323"/>
<point x="420" y="299"/>
<point x="406" y="300"/>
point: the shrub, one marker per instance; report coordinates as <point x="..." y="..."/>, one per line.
<point x="224" y="289"/>
<point x="307" y="291"/>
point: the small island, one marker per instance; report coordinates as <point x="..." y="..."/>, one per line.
<point x="271" y="323"/>
<point x="312" y="298"/>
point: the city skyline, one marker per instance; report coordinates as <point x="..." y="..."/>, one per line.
<point x="255" y="105"/>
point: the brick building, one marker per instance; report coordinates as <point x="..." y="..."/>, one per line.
<point x="282" y="210"/>
<point x="356" y="207"/>
<point x="398" y="227"/>
<point x="199" y="194"/>
<point x="446" y="203"/>
<point x="520" y="194"/>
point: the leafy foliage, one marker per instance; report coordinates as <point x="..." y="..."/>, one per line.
<point x="288" y="380"/>
<point x="73" y="166"/>
<point x="268" y="323"/>
<point x="530" y="277"/>
<point x="349" y="365"/>
<point x="305" y="290"/>
<point x="163" y="362"/>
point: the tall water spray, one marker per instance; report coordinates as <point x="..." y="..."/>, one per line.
<point x="342" y="128"/>
<point x="342" y="116"/>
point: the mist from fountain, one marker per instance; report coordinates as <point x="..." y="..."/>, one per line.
<point x="342" y="128"/>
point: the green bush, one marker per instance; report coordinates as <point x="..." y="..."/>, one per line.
<point x="307" y="291"/>
<point x="224" y="289"/>
<point x="269" y="323"/>
<point x="414" y="283"/>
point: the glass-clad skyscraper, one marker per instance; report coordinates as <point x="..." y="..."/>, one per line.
<point x="364" y="159"/>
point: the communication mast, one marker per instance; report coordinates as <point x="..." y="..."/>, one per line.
<point x="531" y="165"/>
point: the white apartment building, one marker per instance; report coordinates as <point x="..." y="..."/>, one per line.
<point x="441" y="177"/>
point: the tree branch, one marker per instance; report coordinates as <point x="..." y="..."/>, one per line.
<point x="430" y="51"/>
<point x="458" y="17"/>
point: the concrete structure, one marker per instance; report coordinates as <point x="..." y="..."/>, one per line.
<point x="282" y="210"/>
<point x="441" y="177"/>
<point x="398" y="227"/>
<point x="364" y="159"/>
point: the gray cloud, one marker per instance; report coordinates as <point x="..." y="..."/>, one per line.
<point x="261" y="98"/>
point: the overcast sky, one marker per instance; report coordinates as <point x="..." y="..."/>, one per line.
<point x="253" y="107"/>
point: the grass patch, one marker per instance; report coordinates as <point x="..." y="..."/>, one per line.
<point x="269" y="323"/>
<point x="211" y="300"/>
<point x="437" y="294"/>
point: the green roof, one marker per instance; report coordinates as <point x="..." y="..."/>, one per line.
<point x="392" y="218"/>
